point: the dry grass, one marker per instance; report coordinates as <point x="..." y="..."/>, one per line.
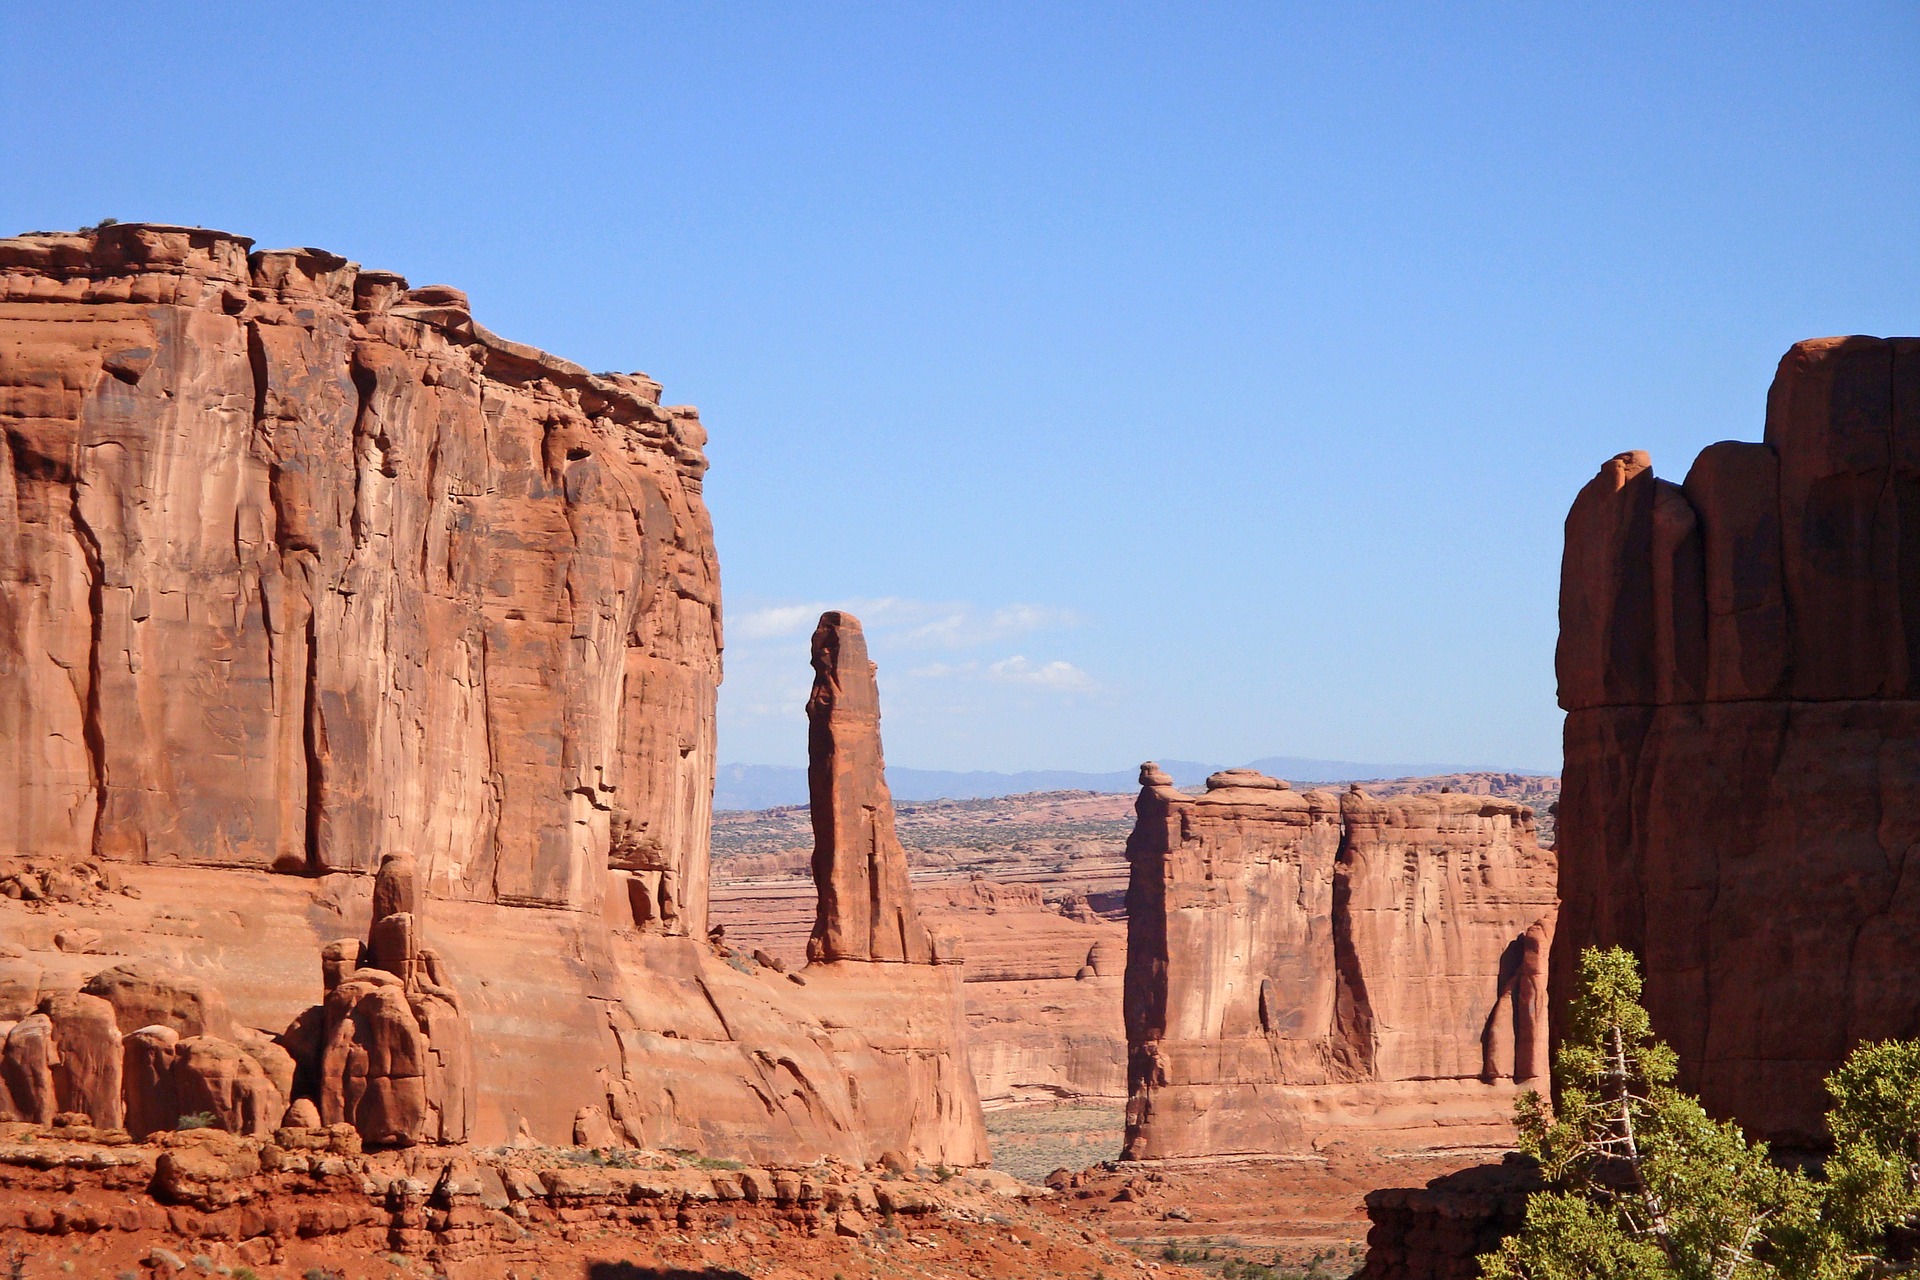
<point x="1031" y="1142"/>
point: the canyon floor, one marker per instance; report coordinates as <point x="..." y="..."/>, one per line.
<point x="79" y="1202"/>
<point x="1034" y="887"/>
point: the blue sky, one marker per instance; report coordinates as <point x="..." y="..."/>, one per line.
<point x="1202" y="381"/>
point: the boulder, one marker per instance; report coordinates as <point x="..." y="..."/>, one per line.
<point x="86" y="1056"/>
<point x="218" y="1078"/>
<point x="26" y="1065"/>
<point x="590" y="1129"/>
<point x="374" y="1061"/>
<point x="153" y="1102"/>
<point x="144" y="994"/>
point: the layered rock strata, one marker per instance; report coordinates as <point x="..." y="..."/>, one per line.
<point x="1042" y="975"/>
<point x="306" y="1200"/>
<point x="1439" y="1231"/>
<point x="301" y="567"/>
<point x="1739" y="661"/>
<point x="1308" y="965"/>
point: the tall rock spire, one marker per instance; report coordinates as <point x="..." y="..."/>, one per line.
<point x="866" y="905"/>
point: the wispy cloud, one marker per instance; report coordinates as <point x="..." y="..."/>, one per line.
<point x="918" y="624"/>
<point x="1057" y="675"/>
<point x="768" y="677"/>
<point x="1063" y="676"/>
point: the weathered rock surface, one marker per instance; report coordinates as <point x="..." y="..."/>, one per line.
<point x="309" y="1201"/>
<point x="299" y="568"/>
<point x="1043" y="990"/>
<point x="1740" y="664"/>
<point x="1042" y="977"/>
<point x="146" y="995"/>
<point x="866" y="907"/>
<point x="394" y="1053"/>
<point x="1302" y="965"/>
<point x="298" y="564"/>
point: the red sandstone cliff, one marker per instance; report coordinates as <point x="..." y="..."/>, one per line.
<point x="1301" y="965"/>
<point x="301" y="568"/>
<point x="1740" y="663"/>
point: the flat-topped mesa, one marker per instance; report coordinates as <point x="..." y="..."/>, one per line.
<point x="1304" y="965"/>
<point x="1739" y="660"/>
<point x="298" y="564"/>
<point x="866" y="909"/>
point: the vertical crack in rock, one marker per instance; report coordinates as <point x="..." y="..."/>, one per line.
<point x="90" y="724"/>
<point x="1353" y="1040"/>
<point x="313" y="740"/>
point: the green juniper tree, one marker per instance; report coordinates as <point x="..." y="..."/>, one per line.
<point x="1870" y="1189"/>
<point x="1644" y="1185"/>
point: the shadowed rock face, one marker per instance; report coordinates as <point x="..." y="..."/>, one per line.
<point x="866" y="905"/>
<point x="1740" y="665"/>
<point x="1305" y="964"/>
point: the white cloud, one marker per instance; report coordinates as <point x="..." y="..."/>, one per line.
<point x="918" y="624"/>
<point x="1063" y="676"/>
<point x="936" y="667"/>
<point x="773" y="623"/>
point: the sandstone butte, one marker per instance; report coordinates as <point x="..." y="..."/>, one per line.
<point x="351" y="653"/>
<point x="1739" y="662"/>
<point x="1305" y="967"/>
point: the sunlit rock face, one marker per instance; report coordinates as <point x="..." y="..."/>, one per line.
<point x="298" y="564"/>
<point x="304" y="572"/>
<point x="1303" y="966"/>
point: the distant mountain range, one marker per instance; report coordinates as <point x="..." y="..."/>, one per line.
<point x="769" y="786"/>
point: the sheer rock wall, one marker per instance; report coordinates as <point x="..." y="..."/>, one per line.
<point x="1303" y="964"/>
<point x="301" y="568"/>
<point x="1740" y="665"/>
<point x="298" y="564"/>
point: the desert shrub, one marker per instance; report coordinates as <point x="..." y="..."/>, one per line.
<point x="199" y="1120"/>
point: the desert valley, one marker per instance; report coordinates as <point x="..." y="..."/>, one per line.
<point x="364" y="910"/>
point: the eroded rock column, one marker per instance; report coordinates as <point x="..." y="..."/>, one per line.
<point x="866" y="907"/>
